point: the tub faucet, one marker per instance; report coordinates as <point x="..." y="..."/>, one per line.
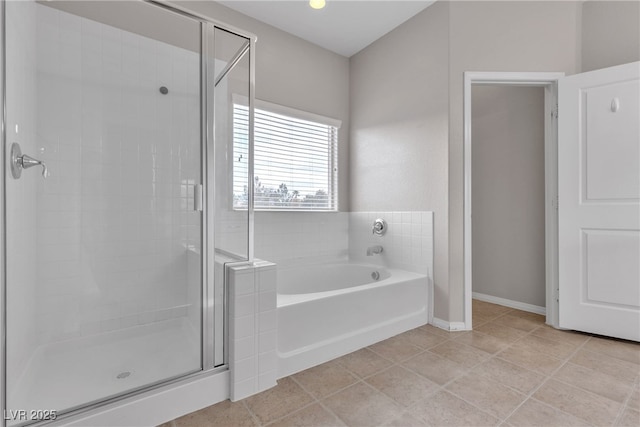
<point x="374" y="250"/>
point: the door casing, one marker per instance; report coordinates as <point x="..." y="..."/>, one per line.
<point x="548" y="81"/>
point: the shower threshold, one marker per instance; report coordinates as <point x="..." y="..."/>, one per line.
<point x="81" y="371"/>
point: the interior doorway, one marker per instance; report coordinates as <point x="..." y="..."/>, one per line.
<point x="501" y="81"/>
<point x="508" y="246"/>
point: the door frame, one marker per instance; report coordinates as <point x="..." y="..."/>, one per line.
<point x="548" y="81"/>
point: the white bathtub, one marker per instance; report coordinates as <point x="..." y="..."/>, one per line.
<point x="326" y="311"/>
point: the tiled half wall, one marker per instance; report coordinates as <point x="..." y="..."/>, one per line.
<point x="252" y="328"/>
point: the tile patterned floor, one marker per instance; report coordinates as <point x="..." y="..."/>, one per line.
<point x="512" y="370"/>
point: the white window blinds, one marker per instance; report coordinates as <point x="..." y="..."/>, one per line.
<point x="295" y="166"/>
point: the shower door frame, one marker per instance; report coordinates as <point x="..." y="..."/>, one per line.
<point x="209" y="364"/>
<point x="3" y="224"/>
<point x="208" y="177"/>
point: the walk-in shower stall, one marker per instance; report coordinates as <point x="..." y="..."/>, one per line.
<point x="117" y="210"/>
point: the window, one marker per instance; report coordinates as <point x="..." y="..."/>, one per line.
<point x="295" y="159"/>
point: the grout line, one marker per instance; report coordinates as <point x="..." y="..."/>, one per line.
<point x="291" y="377"/>
<point x="623" y="408"/>
<point x="451" y="336"/>
<point x="326" y="408"/>
<point x="551" y="376"/>
<point x="636" y="386"/>
<point x="444" y="386"/>
<point x="362" y="379"/>
<point x="302" y="408"/>
<point x="471" y="403"/>
<point x="253" y="416"/>
<point x="546" y="380"/>
<point x="496" y="355"/>
<point x="397" y="362"/>
<point x="319" y="401"/>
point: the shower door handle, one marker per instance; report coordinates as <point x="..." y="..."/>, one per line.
<point x="197" y="197"/>
<point x="21" y="161"/>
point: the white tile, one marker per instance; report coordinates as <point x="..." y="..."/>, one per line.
<point x="267" y="279"/>
<point x="268" y="320"/>
<point x="243" y="348"/>
<point x="267" y="361"/>
<point x="241" y="282"/>
<point x="267" y="380"/>
<point x="267" y="301"/>
<point x="244" y="369"/>
<point x="243" y="305"/>
<point x="267" y="341"/>
<point x="242" y="389"/>
<point x="242" y="326"/>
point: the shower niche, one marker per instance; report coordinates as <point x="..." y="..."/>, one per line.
<point x="110" y="280"/>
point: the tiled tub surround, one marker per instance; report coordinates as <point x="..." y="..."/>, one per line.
<point x="407" y="244"/>
<point x="289" y="238"/>
<point x="294" y="237"/>
<point x="512" y="370"/>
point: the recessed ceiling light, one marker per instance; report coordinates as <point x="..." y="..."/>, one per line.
<point x="317" y="4"/>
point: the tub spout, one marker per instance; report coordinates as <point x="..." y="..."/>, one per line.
<point x="374" y="250"/>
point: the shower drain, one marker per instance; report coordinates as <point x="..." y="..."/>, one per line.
<point x="123" y="375"/>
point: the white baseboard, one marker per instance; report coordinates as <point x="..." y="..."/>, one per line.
<point x="458" y="326"/>
<point x="448" y="326"/>
<point x="510" y="303"/>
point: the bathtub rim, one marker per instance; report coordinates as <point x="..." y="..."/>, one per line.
<point x="396" y="276"/>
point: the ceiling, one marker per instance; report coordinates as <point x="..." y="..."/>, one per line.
<point x="343" y="26"/>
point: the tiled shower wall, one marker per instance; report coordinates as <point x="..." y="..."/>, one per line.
<point x="115" y="218"/>
<point x="20" y="194"/>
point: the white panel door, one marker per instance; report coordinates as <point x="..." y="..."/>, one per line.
<point x="599" y="201"/>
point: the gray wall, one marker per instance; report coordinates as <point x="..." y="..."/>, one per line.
<point x="508" y="193"/>
<point x="395" y="76"/>
<point x="414" y="75"/>
<point x="295" y="73"/>
<point x="399" y="105"/>
<point x="610" y="33"/>
<point x="502" y="36"/>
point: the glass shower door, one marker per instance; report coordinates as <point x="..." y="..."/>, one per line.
<point x="104" y="250"/>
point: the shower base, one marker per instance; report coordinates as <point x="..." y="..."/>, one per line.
<point x="77" y="372"/>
